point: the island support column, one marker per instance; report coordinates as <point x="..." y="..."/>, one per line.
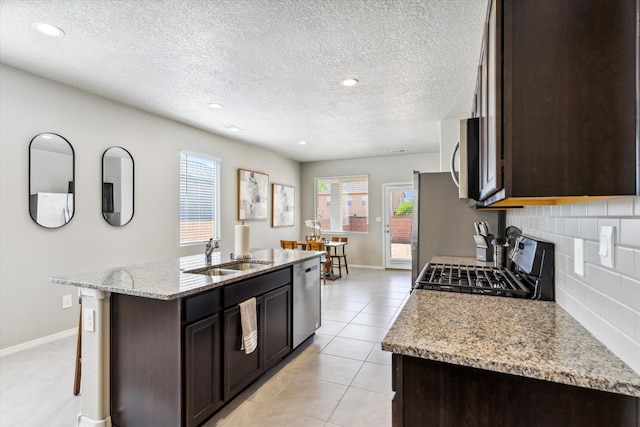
<point x="94" y="388"/>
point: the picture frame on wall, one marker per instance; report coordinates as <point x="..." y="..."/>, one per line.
<point x="253" y="195"/>
<point x="282" y="205"/>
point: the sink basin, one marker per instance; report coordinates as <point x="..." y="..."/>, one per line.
<point x="213" y="271"/>
<point x="245" y="265"/>
<point x="233" y="267"/>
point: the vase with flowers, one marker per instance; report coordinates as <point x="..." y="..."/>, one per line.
<point x="314" y="225"/>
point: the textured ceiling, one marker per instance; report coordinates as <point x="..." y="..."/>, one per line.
<point x="275" y="65"/>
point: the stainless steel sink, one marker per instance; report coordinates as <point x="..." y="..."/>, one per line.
<point x="212" y="271"/>
<point x="244" y="266"/>
<point x="233" y="267"/>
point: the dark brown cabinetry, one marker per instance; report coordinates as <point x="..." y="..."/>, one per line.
<point x="276" y="328"/>
<point x="174" y="363"/>
<point x="558" y="101"/>
<point x="240" y="369"/>
<point x="203" y="369"/>
<point x="202" y="356"/>
<point x="490" y="105"/>
<point x="273" y="310"/>
<point x="146" y="362"/>
<point x="430" y="393"/>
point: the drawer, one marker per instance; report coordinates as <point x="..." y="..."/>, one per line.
<point x="202" y="305"/>
<point x="238" y="292"/>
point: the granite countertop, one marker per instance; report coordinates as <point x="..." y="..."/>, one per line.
<point x="167" y="280"/>
<point x="535" y="339"/>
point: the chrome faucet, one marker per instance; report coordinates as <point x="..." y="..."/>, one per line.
<point x="211" y="245"/>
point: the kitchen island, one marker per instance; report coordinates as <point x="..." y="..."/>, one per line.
<point x="475" y="360"/>
<point x="161" y="340"/>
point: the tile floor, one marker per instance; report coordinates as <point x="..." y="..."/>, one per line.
<point x="340" y="377"/>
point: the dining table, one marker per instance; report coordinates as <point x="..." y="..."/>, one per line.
<point x="329" y="244"/>
<point x="332" y="248"/>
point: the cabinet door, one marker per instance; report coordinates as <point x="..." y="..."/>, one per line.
<point x="475" y="110"/>
<point x="240" y="369"/>
<point x="490" y="128"/>
<point x="276" y="327"/>
<point x="203" y="370"/>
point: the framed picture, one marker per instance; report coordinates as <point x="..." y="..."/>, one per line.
<point x="282" y="205"/>
<point x="253" y="195"/>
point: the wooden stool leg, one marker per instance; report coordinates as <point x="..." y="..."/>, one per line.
<point x="78" y="374"/>
<point x="339" y="265"/>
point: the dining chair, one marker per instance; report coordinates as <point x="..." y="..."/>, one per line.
<point x="341" y="254"/>
<point x="288" y="244"/>
<point x="325" y="260"/>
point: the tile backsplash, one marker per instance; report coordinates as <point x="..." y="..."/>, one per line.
<point x="606" y="301"/>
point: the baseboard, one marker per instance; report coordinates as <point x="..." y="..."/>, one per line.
<point x="37" y="342"/>
<point x="373" y="267"/>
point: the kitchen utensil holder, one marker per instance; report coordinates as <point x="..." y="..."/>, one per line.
<point x="484" y="254"/>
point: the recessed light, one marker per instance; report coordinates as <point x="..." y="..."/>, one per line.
<point x="233" y="128"/>
<point x="350" y="82"/>
<point x="48" y="29"/>
<point x="215" y="105"/>
<point x="302" y="142"/>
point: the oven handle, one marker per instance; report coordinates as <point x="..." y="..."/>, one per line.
<point x="420" y="276"/>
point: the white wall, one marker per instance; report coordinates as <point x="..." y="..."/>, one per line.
<point x="606" y="300"/>
<point x="366" y="249"/>
<point x="449" y="136"/>
<point x="30" y="306"/>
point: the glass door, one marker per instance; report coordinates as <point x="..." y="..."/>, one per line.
<point x="398" y="207"/>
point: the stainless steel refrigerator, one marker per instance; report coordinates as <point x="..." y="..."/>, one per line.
<point x="442" y="222"/>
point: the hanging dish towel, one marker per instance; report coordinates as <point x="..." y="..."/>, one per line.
<point x="248" y="320"/>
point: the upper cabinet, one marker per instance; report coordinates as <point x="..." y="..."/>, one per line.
<point x="490" y="97"/>
<point x="558" y="101"/>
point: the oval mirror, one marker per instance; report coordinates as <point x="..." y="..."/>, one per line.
<point x="117" y="186"/>
<point x="51" y="180"/>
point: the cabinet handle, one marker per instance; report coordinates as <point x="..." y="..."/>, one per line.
<point x="315" y="267"/>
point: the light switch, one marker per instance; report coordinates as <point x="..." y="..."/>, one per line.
<point x="578" y="256"/>
<point x="606" y="246"/>
<point x="88" y="317"/>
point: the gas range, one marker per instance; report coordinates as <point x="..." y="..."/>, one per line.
<point x="528" y="274"/>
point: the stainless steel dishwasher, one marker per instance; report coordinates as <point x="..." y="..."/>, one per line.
<point x="306" y="300"/>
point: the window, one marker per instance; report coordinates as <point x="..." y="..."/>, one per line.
<point x="341" y="203"/>
<point x="199" y="198"/>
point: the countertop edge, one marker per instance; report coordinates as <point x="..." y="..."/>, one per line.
<point x="167" y="296"/>
<point x="561" y="377"/>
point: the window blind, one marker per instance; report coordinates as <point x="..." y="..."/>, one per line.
<point x="199" y="198"/>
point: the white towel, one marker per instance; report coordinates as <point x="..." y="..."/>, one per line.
<point x="248" y="320"/>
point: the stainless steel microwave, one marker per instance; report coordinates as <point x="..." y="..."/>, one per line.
<point x="468" y="178"/>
